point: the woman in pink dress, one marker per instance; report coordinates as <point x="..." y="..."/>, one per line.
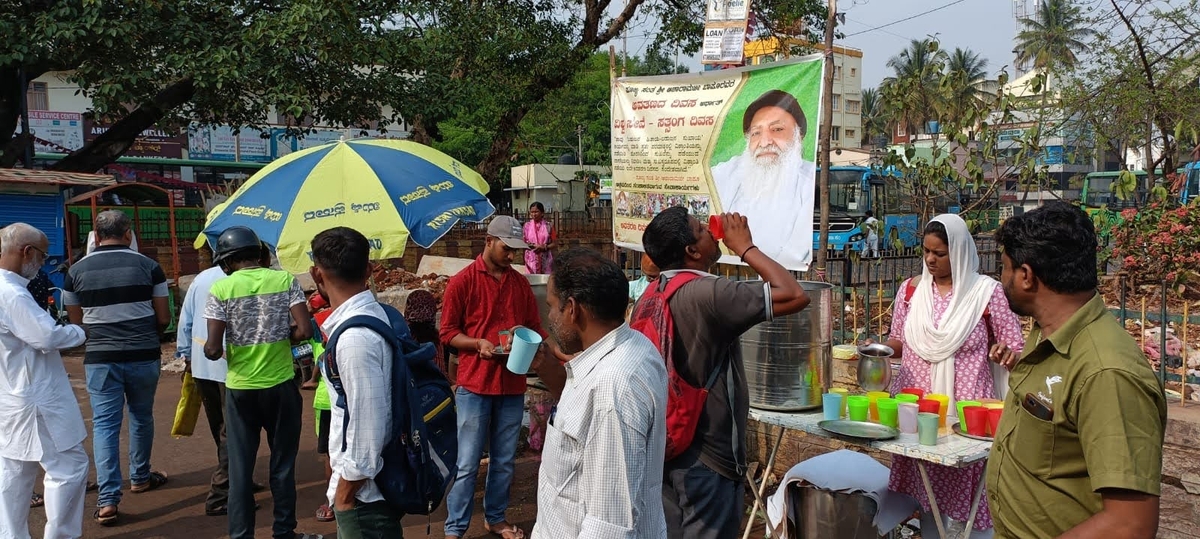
<point x="541" y="238"/>
<point x="943" y="328"/>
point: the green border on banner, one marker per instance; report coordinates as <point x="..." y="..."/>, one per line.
<point x="802" y="80"/>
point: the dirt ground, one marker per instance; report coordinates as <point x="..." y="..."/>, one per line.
<point x="177" y="509"/>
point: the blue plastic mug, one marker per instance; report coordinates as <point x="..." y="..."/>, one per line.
<point x="524" y="346"/>
<point x="832" y="403"/>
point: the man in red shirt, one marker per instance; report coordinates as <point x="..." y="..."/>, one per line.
<point x="482" y="300"/>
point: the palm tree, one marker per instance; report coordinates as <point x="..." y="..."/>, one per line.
<point x="1052" y="37"/>
<point x="966" y="73"/>
<point x="913" y="93"/>
<point x="874" y="123"/>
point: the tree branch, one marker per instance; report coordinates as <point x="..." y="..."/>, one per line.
<point x="117" y="140"/>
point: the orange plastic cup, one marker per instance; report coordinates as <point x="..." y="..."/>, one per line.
<point x="943" y="406"/>
<point x="993" y="420"/>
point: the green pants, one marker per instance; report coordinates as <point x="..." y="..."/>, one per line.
<point x="374" y="520"/>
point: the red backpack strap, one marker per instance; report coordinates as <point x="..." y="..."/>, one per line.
<point x="652" y="314"/>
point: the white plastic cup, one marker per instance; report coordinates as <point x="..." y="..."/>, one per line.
<point x="525" y="344"/>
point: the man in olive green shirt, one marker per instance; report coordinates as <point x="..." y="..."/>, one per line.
<point x="1078" y="452"/>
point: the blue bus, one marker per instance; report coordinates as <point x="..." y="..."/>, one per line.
<point x="1191" y="182"/>
<point x="852" y="191"/>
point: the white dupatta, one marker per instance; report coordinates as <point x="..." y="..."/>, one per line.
<point x="972" y="293"/>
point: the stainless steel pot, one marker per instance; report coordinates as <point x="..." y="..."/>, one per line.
<point x="539" y="284"/>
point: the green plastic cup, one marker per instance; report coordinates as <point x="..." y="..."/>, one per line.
<point x="962" y="418"/>
<point x="927" y="428"/>
<point x="907" y="397"/>
<point x="888" y="412"/>
<point x="857" y="406"/>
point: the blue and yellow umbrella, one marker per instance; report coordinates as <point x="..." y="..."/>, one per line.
<point x="390" y="190"/>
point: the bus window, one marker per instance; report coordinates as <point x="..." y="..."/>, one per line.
<point x="879" y="198"/>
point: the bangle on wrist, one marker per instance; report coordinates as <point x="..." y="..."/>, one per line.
<point x="747" y="251"/>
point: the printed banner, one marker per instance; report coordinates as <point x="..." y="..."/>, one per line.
<point x="724" y="43"/>
<point x="728" y="10"/>
<point x="738" y="140"/>
<point x="153" y="142"/>
<point x="55" y="132"/>
<point x="215" y="143"/>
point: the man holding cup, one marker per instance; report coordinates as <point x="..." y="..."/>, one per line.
<point x="601" y="473"/>
<point x="482" y="300"/>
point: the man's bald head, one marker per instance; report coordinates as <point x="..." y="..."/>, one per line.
<point x="23" y="249"/>
<point x="16" y="237"/>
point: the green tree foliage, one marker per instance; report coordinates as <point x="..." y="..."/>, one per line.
<point x="1053" y="36"/>
<point x="874" y="119"/>
<point x="551" y="128"/>
<point x="147" y="62"/>
<point x="913" y="93"/>
<point x="473" y="68"/>
<point x="966" y="73"/>
<point x="1137" y="85"/>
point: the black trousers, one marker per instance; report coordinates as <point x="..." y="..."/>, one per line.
<point x="212" y="394"/>
<point x="700" y="503"/>
<point x="374" y="520"/>
<point x="248" y="412"/>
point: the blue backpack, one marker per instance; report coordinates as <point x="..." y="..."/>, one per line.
<point x="420" y="458"/>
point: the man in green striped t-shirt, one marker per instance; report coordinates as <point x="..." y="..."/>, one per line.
<point x="253" y="311"/>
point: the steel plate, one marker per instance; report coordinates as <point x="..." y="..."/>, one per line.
<point x="859" y="429"/>
<point x="957" y="429"/>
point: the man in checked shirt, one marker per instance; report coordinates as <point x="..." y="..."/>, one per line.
<point x="602" y="464"/>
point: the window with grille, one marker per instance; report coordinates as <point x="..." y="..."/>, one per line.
<point x="853" y="107"/>
<point x="38" y="96"/>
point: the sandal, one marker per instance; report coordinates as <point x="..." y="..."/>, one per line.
<point x="36" y="500"/>
<point x="325" y="514"/>
<point x="157" y="479"/>
<point x="107" y="520"/>
<point x="504" y="530"/>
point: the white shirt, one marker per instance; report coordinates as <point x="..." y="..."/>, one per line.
<point x="869" y="224"/>
<point x="364" y="360"/>
<point x="33" y="382"/>
<point x="602" y="463"/>
<point x="191" y="336"/>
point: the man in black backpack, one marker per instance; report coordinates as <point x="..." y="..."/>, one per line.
<point x="356" y="437"/>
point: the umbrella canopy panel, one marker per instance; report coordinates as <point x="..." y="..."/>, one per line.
<point x="388" y="190"/>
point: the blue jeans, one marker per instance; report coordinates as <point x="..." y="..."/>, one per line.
<point x="482" y="418"/>
<point x="110" y="386"/>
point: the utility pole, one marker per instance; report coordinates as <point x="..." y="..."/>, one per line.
<point x="826" y="131"/>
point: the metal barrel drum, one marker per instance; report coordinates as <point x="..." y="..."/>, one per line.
<point x="539" y="284"/>
<point x="788" y="360"/>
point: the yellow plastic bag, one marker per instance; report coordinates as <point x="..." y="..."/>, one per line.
<point x="188" y="410"/>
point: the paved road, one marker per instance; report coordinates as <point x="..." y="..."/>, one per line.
<point x="177" y="509"/>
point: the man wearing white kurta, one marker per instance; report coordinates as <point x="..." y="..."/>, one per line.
<point x="39" y="416"/>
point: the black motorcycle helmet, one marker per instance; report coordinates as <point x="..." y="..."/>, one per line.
<point x="235" y="239"/>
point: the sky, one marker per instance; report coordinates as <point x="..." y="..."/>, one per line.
<point x="985" y="26"/>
